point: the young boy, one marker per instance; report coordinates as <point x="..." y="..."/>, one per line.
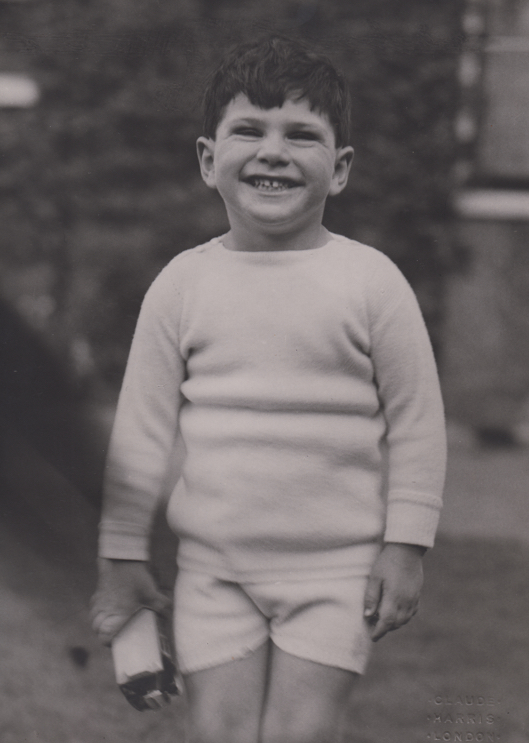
<point x="287" y="358"/>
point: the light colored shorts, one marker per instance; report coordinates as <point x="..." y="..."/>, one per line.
<point x="217" y="621"/>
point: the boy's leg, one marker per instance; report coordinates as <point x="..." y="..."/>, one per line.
<point x="225" y="702"/>
<point x="303" y="701"/>
<point x="306" y="701"/>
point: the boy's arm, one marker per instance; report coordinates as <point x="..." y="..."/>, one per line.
<point x="410" y="396"/>
<point x="140" y="451"/>
<point x="409" y="391"/>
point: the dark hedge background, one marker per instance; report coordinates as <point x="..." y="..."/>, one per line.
<point x="100" y="186"/>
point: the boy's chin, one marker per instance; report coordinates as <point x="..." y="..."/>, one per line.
<point x="286" y="232"/>
<point x="276" y="222"/>
<point x="277" y="226"/>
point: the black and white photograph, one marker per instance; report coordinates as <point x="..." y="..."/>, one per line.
<point x="264" y="327"/>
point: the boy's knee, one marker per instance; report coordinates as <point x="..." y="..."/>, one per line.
<point x="302" y="726"/>
<point x="219" y="734"/>
<point x="223" y="728"/>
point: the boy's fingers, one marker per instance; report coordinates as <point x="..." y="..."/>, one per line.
<point x="124" y="587"/>
<point x="372" y="597"/>
<point x="107" y="625"/>
<point x="383" y="625"/>
<point x="386" y="619"/>
<point x="161" y="604"/>
<point x="391" y="618"/>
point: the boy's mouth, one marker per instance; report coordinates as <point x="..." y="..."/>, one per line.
<point x="263" y="183"/>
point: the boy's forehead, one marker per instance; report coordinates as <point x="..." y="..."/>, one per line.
<point x="294" y="109"/>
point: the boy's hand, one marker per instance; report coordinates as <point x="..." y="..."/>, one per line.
<point x="393" y="589"/>
<point x="124" y="587"/>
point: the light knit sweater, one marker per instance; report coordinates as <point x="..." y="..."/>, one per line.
<point x="305" y="389"/>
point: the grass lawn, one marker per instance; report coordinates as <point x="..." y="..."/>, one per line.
<point x="466" y="652"/>
<point x="462" y="658"/>
<point x="469" y="640"/>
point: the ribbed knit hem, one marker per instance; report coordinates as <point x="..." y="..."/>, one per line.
<point x="117" y="545"/>
<point x="411" y="523"/>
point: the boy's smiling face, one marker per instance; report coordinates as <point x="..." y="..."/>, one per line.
<point x="274" y="168"/>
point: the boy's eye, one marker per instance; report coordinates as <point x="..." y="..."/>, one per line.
<point x="247" y="131"/>
<point x="303" y="135"/>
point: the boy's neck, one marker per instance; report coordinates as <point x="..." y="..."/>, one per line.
<point x="239" y="238"/>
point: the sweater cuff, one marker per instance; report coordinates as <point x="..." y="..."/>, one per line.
<point x="119" y="542"/>
<point x="411" y="523"/>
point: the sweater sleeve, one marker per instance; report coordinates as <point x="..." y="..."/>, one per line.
<point x="409" y="390"/>
<point x="145" y="426"/>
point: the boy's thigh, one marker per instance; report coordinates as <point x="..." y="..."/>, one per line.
<point x="225" y="702"/>
<point x="306" y="701"/>
<point x="267" y="697"/>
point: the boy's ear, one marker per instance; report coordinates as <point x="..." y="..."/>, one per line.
<point x="205" y="152"/>
<point x="342" y="166"/>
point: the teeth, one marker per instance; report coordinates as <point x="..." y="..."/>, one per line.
<point x="270" y="184"/>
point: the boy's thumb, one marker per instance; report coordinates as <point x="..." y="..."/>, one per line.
<point x="372" y="597"/>
<point x="160" y="603"/>
<point x="107" y="626"/>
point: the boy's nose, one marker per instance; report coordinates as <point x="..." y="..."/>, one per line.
<point x="273" y="149"/>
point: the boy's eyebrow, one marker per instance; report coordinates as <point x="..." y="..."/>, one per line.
<point x="245" y="120"/>
<point x="256" y="121"/>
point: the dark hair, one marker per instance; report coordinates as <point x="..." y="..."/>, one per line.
<point x="271" y="70"/>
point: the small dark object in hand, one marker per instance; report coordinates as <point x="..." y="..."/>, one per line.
<point x="154" y="690"/>
<point x="143" y="663"/>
